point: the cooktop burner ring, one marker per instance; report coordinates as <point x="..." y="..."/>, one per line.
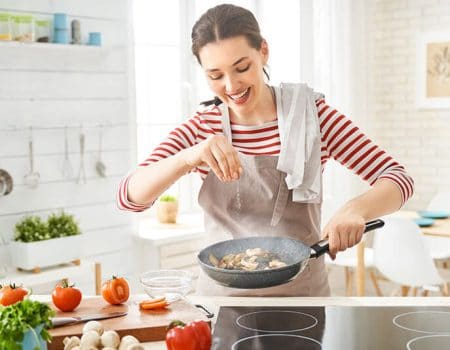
<point x="314" y="321"/>
<point x="240" y="341"/>
<point x="396" y="322"/>
<point x="412" y="341"/>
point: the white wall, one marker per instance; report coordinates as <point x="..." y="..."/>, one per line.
<point x="420" y="139"/>
<point x="48" y="87"/>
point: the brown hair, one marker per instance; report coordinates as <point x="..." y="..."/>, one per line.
<point x="223" y="22"/>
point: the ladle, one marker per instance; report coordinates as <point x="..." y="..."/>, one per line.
<point x="100" y="167"/>
<point x="32" y="178"/>
<point x="67" y="170"/>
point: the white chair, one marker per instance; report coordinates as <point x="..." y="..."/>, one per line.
<point x="439" y="246"/>
<point x="402" y="255"/>
<point x="348" y="260"/>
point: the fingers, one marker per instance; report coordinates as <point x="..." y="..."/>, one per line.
<point x="343" y="236"/>
<point x="225" y="158"/>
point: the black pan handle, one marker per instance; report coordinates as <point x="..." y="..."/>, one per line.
<point x="323" y="247"/>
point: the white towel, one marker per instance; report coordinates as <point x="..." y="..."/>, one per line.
<point x="300" y="141"/>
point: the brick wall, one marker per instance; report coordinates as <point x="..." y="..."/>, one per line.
<point x="418" y="138"/>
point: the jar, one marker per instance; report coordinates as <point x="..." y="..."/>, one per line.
<point x="5" y="26"/>
<point x="42" y="27"/>
<point x="23" y="28"/>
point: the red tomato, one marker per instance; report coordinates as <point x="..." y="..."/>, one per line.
<point x="12" y="294"/>
<point x="66" y="297"/>
<point x="116" y="290"/>
<point x="192" y="336"/>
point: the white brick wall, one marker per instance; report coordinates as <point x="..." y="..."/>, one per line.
<point x="420" y="139"/>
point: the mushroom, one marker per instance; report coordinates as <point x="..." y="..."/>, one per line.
<point x="135" y="347"/>
<point x="127" y="341"/>
<point x="90" y="339"/>
<point x="110" y="339"/>
<point x="71" y="343"/>
<point x="93" y="326"/>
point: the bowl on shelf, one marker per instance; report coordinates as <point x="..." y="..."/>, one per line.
<point x="171" y="284"/>
<point x="434" y="214"/>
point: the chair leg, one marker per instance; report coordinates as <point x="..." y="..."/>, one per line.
<point x="405" y="290"/>
<point x="445" y="291"/>
<point x="373" y="277"/>
<point x="348" y="281"/>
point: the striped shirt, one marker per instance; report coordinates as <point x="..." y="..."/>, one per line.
<point x="340" y="139"/>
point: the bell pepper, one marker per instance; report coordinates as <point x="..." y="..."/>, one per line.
<point x="195" y="335"/>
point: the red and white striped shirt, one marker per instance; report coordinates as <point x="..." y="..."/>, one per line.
<point x="340" y="139"/>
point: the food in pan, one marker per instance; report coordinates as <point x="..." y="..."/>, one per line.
<point x="250" y="260"/>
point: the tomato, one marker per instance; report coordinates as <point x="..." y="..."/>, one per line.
<point x="116" y="290"/>
<point x="192" y="336"/>
<point x="66" y="297"/>
<point x="12" y="294"/>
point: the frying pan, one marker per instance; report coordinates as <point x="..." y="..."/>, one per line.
<point x="294" y="253"/>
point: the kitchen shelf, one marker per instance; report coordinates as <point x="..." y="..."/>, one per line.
<point x="34" y="44"/>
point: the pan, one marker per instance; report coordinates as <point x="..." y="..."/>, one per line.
<point x="294" y="253"/>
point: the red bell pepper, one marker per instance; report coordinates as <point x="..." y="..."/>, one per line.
<point x="192" y="336"/>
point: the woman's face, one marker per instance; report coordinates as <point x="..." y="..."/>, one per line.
<point x="234" y="71"/>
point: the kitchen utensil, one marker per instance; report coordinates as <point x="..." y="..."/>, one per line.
<point x="171" y="284"/>
<point x="294" y="253"/>
<point x="32" y="178"/>
<point x="146" y="326"/>
<point x="100" y="167"/>
<point x="62" y="321"/>
<point x="67" y="170"/>
<point x="81" y="171"/>
<point x="6" y="183"/>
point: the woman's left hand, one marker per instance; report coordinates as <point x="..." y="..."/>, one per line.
<point x="343" y="231"/>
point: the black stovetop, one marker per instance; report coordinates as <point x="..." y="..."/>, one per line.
<point x="332" y="328"/>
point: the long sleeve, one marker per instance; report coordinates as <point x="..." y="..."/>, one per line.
<point x="343" y="141"/>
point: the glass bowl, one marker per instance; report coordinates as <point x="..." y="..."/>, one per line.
<point x="171" y="284"/>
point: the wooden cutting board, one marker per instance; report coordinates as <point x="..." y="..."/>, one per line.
<point x="148" y="325"/>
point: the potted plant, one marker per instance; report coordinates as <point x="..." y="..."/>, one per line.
<point x="35" y="239"/>
<point x="27" y="325"/>
<point x="167" y="209"/>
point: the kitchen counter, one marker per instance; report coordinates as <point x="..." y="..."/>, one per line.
<point x="213" y="304"/>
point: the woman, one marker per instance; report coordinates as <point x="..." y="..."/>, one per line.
<point x="261" y="151"/>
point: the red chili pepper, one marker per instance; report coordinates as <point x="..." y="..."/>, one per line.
<point x="192" y="336"/>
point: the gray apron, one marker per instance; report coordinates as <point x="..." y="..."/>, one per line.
<point x="260" y="204"/>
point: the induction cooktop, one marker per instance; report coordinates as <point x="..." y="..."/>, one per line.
<point x="332" y="328"/>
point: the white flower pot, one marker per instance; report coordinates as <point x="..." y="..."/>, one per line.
<point x="32" y="255"/>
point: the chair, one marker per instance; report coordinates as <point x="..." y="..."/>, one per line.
<point x="439" y="246"/>
<point x="401" y="254"/>
<point x="348" y="260"/>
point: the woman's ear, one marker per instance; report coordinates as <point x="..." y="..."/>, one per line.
<point x="264" y="51"/>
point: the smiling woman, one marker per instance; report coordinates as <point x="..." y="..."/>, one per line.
<point x="260" y="150"/>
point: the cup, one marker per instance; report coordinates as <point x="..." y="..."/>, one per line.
<point x="95" y="39"/>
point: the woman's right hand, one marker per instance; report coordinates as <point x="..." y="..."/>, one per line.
<point x="218" y="153"/>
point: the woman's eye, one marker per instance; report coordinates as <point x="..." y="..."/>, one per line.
<point x="242" y="70"/>
<point x="215" y="77"/>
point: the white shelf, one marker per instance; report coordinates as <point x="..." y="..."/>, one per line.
<point x="34" y="44"/>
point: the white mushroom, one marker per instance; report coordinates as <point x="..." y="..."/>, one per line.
<point x="71" y="343"/>
<point x="109" y="348"/>
<point x="87" y="347"/>
<point x="93" y="326"/>
<point x="91" y="338"/>
<point x="135" y="347"/>
<point x="127" y="341"/>
<point x="110" y="339"/>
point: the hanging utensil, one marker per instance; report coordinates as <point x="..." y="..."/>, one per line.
<point x="100" y="167"/>
<point x="81" y="171"/>
<point x="67" y="170"/>
<point x="6" y="183"/>
<point x="32" y="178"/>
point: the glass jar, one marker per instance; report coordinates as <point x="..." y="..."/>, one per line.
<point x="23" y="28"/>
<point x="42" y="30"/>
<point x="5" y="26"/>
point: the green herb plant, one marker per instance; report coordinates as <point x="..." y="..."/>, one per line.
<point x="21" y="317"/>
<point x="32" y="228"/>
<point x="167" y="198"/>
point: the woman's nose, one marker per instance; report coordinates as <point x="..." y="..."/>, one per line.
<point x="231" y="84"/>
